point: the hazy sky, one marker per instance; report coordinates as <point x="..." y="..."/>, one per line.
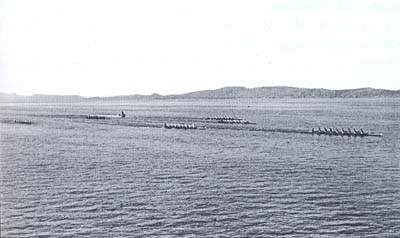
<point x="104" y="48"/>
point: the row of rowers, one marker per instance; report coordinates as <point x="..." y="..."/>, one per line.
<point x="228" y="120"/>
<point x="341" y="132"/>
<point x="180" y="126"/>
<point x="222" y="118"/>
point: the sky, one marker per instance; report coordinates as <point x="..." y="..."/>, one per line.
<point x="105" y="48"/>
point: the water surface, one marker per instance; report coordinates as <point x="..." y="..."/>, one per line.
<point x="67" y="176"/>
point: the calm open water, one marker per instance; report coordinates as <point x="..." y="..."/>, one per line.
<point x="67" y="176"/>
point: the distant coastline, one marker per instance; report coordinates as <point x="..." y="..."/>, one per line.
<point x="222" y="93"/>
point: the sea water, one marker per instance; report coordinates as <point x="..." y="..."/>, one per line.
<point x="68" y="176"/>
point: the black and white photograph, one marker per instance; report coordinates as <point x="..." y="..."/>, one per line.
<point x="184" y="118"/>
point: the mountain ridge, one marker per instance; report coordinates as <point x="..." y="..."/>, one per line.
<point x="221" y="93"/>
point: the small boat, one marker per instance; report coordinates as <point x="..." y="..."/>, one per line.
<point x="120" y="115"/>
<point x="183" y="126"/>
<point x="23" y="122"/>
<point x="228" y="120"/>
<point x="343" y="132"/>
<point x="222" y="118"/>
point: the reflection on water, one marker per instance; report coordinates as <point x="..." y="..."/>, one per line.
<point x="71" y="177"/>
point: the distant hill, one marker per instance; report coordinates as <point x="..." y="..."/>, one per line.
<point x="288" y="92"/>
<point x="39" y="98"/>
<point x="8" y="97"/>
<point x="227" y="92"/>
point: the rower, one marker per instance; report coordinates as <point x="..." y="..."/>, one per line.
<point x="338" y="132"/>
<point x="350" y="132"/>
<point x="355" y="132"/>
<point x="362" y="132"/>
<point x="359" y="133"/>
<point x="331" y="132"/>
<point x="345" y="132"/>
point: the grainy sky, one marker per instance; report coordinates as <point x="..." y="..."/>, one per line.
<point x="100" y="48"/>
